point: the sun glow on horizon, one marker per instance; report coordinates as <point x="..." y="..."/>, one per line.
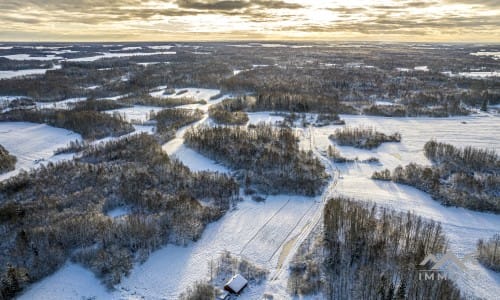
<point x="188" y="20"/>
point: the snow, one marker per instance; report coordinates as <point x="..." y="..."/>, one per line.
<point x="170" y="270"/>
<point x="32" y="143"/>
<point x="64" y="104"/>
<point x="463" y="227"/>
<point x="476" y="74"/>
<point x="72" y="281"/>
<point x="29" y="57"/>
<point x="421" y="68"/>
<point x="268" y="233"/>
<point x="493" y="54"/>
<point x="17" y="73"/>
<point x="161" y="47"/>
<point x="113" y="55"/>
<point x="237" y="283"/>
<point x="195" y="161"/>
<point x="136" y="113"/>
<point x="194" y="93"/>
<point x="118" y="212"/>
<point x="259" y="117"/>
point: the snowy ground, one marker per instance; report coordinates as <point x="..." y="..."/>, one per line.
<point x="463" y="227"/>
<point x="269" y="233"/>
<point x="33" y="143"/>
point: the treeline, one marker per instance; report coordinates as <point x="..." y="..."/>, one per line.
<point x="59" y="211"/>
<point x="420" y="105"/>
<point x="7" y="161"/>
<point x="489" y="252"/>
<point x="168" y="121"/>
<point x="90" y="124"/>
<point x="147" y="99"/>
<point x="229" y="112"/>
<point x="369" y="252"/>
<point x="264" y="157"/>
<point x="467" y="177"/>
<point x="97" y="105"/>
<point x="362" y="137"/>
<point x="334" y="154"/>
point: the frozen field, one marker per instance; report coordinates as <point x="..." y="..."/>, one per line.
<point x="33" y="143"/>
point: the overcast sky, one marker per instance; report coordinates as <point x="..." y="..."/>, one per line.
<point x="138" y="20"/>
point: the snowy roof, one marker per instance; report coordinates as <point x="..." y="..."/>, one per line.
<point x="237" y="283"/>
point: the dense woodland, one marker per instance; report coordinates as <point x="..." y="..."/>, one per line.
<point x="264" y="157"/>
<point x="488" y="252"/>
<point x="369" y="252"/>
<point x="168" y="121"/>
<point x="362" y="137"/>
<point x="468" y="177"/>
<point x="90" y="124"/>
<point x="229" y="112"/>
<point x="60" y="211"/>
<point x="7" y="161"/>
<point x="147" y="99"/>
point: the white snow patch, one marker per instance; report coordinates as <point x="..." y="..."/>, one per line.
<point x="28" y="57"/>
<point x="33" y="143"/>
<point x="112" y="55"/>
<point x="18" y="73"/>
<point x="71" y="282"/>
<point x="136" y="113"/>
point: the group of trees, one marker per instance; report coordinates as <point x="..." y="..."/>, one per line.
<point x="90" y="124"/>
<point x="229" y="112"/>
<point x="362" y="137"/>
<point x="334" y="154"/>
<point x="168" y="121"/>
<point x="369" y="252"/>
<point x="489" y="252"/>
<point x="59" y="211"/>
<point x="264" y="157"/>
<point x="467" y="177"/>
<point x="7" y="161"/>
<point x="147" y="99"/>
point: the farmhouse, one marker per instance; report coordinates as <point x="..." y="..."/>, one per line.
<point x="236" y="284"/>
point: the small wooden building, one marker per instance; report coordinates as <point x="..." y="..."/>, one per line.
<point x="236" y="284"/>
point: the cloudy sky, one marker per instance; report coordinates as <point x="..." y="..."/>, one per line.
<point x="163" y="20"/>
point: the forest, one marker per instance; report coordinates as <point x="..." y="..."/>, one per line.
<point x="64" y="211"/>
<point x="369" y="252"/>
<point x="168" y="121"/>
<point x="264" y="157"/>
<point x="488" y="252"/>
<point x="468" y="177"/>
<point x="7" y="161"/>
<point x="90" y="124"/>
<point x="229" y="112"/>
<point x="362" y="137"/>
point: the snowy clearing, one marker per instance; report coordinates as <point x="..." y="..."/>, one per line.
<point x="33" y="143"/>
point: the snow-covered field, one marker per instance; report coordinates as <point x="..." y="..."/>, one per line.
<point x="269" y="233"/>
<point x="463" y="227"/>
<point x="33" y="143"/>
<point x="19" y="73"/>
